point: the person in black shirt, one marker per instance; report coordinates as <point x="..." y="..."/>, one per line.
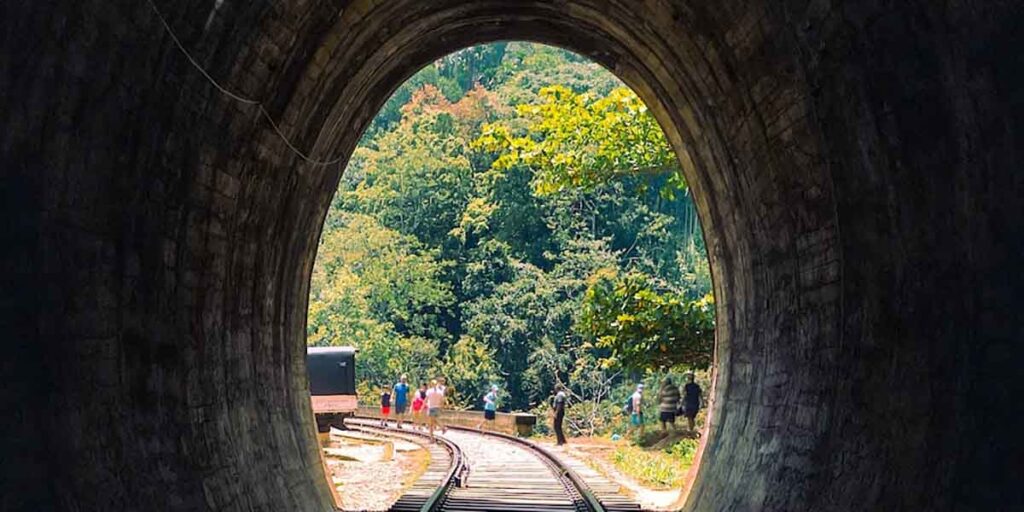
<point x="691" y="400"/>
<point x="385" y="406"/>
<point x="559" y="411"/>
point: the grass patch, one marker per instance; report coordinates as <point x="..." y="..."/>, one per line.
<point x="657" y="469"/>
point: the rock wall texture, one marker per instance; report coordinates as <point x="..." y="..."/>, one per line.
<point x="856" y="166"/>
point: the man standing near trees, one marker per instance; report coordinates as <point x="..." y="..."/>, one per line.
<point x="668" y="403"/>
<point x="401" y="396"/>
<point x="691" y="400"/>
<point x="558" y="407"/>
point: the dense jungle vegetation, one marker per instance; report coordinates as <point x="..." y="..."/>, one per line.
<point x="514" y="215"/>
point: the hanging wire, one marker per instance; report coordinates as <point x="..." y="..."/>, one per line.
<point x="239" y="98"/>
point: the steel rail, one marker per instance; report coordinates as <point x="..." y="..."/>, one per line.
<point x="457" y="469"/>
<point x="570" y="479"/>
<point x="577" y="489"/>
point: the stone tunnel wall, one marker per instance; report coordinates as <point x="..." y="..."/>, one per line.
<point x="855" y="168"/>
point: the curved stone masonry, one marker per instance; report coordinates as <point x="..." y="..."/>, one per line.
<point x="855" y="166"/>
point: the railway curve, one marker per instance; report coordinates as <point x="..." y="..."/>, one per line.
<point x="504" y="473"/>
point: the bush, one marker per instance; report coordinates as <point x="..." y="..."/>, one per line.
<point x="543" y="414"/>
<point x="652" y="469"/>
<point x="659" y="469"/>
<point x="685" y="450"/>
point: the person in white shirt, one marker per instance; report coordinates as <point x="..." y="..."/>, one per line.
<point x="442" y="385"/>
<point x="435" y="401"/>
<point x="490" y="409"/>
<point x="636" y="416"/>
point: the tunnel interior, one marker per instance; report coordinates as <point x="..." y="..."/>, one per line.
<point x="854" y="167"/>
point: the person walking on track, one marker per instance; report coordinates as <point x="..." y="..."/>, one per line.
<point x="418" y="406"/>
<point x="401" y="395"/>
<point x="558" y="408"/>
<point x="435" y="400"/>
<point x="490" y="409"/>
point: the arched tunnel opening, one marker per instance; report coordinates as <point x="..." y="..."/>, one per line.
<point x="854" y="167"/>
<point x="460" y="245"/>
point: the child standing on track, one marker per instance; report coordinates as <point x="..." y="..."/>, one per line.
<point x="418" y="404"/>
<point x="385" y="406"/>
<point x="490" y="409"/>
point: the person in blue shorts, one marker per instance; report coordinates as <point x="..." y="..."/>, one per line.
<point x="490" y="409"/>
<point x="400" y="393"/>
<point x="435" y="401"/>
<point x="636" y="416"/>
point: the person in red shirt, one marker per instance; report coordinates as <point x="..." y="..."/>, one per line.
<point x="419" y="401"/>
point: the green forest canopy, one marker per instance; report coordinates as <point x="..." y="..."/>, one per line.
<point x="513" y="215"/>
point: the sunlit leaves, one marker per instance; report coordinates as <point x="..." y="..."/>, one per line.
<point x="470" y="367"/>
<point x="379" y="291"/>
<point x="647" y="328"/>
<point x="579" y="141"/>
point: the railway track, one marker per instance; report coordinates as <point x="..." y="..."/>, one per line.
<point x="507" y="473"/>
<point x="447" y="468"/>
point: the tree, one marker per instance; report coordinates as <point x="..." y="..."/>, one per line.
<point x="587" y="382"/>
<point x="510" y="321"/>
<point x="391" y="276"/>
<point x="382" y="360"/>
<point x="470" y="369"/>
<point x="579" y="141"/>
<point x="391" y="113"/>
<point x="473" y="65"/>
<point x="646" y="328"/>
<point x="380" y="291"/>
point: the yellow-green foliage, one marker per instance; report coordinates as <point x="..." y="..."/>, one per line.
<point x="645" y="327"/>
<point x="369" y="278"/>
<point x="470" y="368"/>
<point x="659" y="469"/>
<point x="579" y="141"/>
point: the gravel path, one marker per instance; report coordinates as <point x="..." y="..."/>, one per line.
<point x="371" y="483"/>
